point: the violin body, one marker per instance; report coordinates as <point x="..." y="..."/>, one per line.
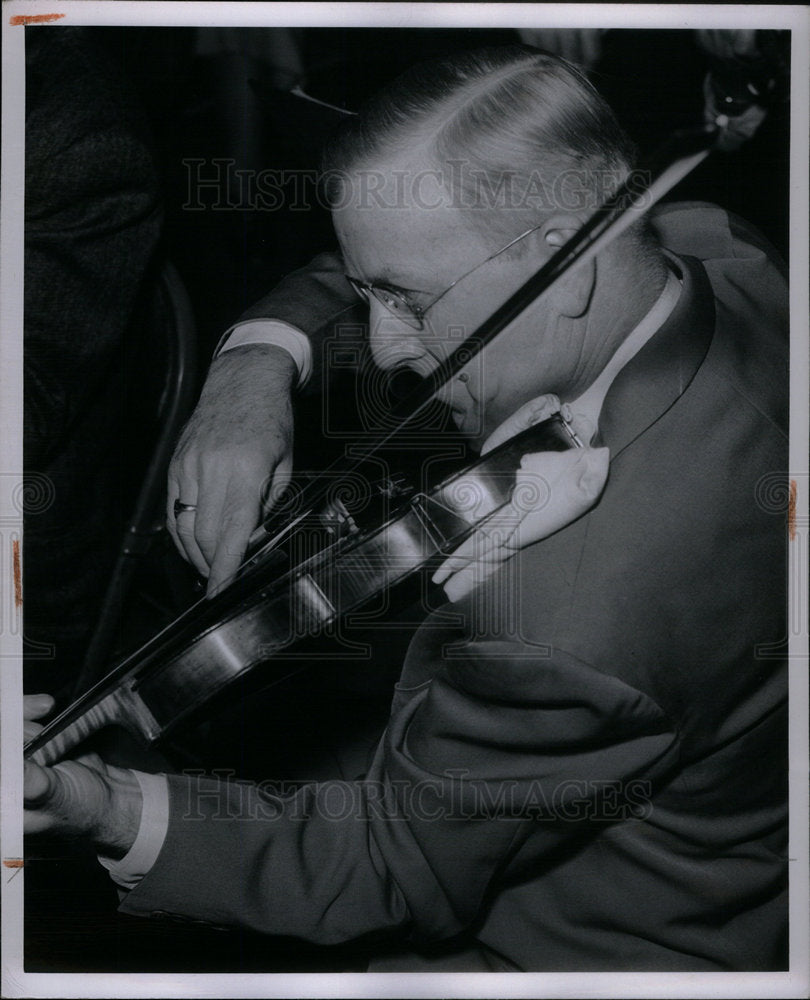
<point x="325" y="564"/>
<point x="330" y="563"/>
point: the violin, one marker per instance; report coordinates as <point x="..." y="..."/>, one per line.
<point x="308" y="568"/>
<point x="322" y="565"/>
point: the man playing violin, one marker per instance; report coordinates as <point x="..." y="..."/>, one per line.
<point x="597" y="778"/>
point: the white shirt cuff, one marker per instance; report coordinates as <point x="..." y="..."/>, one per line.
<point x="271" y="331"/>
<point x="129" y="870"/>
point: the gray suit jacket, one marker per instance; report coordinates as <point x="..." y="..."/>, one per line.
<point x="585" y="766"/>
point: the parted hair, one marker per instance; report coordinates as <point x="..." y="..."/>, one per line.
<point x="525" y="130"/>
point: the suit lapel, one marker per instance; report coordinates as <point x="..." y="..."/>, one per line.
<point x="662" y="370"/>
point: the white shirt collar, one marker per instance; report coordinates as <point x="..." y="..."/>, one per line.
<point x="585" y="409"/>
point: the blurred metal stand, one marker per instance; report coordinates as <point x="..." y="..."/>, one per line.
<point x="176" y="400"/>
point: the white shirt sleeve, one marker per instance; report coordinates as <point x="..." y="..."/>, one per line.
<point x="129" y="870"/>
<point x="271" y="331"/>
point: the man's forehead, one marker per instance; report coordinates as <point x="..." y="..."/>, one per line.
<point x="399" y="179"/>
<point x="398" y="222"/>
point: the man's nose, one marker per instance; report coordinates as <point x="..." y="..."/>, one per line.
<point x="395" y="344"/>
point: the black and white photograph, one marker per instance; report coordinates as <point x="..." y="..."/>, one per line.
<point x="403" y="500"/>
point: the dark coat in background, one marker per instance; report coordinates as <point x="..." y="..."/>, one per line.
<point x="92" y="225"/>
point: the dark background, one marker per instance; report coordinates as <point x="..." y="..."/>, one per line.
<point x="219" y="104"/>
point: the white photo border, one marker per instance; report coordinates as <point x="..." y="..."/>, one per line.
<point x="16" y="982"/>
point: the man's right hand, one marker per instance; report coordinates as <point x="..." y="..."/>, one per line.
<point x="235" y="451"/>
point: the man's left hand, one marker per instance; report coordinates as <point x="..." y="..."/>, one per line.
<point x="84" y="797"/>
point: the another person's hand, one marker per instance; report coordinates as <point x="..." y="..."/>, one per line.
<point x="234" y="454"/>
<point x="84" y="797"/>
<point x="552" y="489"/>
<point x="727" y="43"/>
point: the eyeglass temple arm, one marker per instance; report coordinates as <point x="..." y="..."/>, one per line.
<point x="673" y="161"/>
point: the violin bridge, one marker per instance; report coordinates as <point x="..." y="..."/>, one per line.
<point x="337" y="520"/>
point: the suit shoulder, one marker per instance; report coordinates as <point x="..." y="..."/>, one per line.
<point x="708" y="232"/>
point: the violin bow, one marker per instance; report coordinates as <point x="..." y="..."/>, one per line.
<point x="644" y="187"/>
<point x="677" y="157"/>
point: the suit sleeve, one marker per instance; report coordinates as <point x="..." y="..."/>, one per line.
<point x="503" y="752"/>
<point x="317" y="300"/>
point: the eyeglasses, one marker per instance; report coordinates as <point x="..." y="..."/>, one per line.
<point x="396" y="300"/>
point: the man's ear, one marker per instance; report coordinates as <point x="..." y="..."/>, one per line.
<point x="574" y="290"/>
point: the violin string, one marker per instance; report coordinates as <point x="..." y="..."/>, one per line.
<point x="612" y="218"/>
<point x="633" y="198"/>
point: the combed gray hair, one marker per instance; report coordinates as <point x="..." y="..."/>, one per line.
<point x="524" y="133"/>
